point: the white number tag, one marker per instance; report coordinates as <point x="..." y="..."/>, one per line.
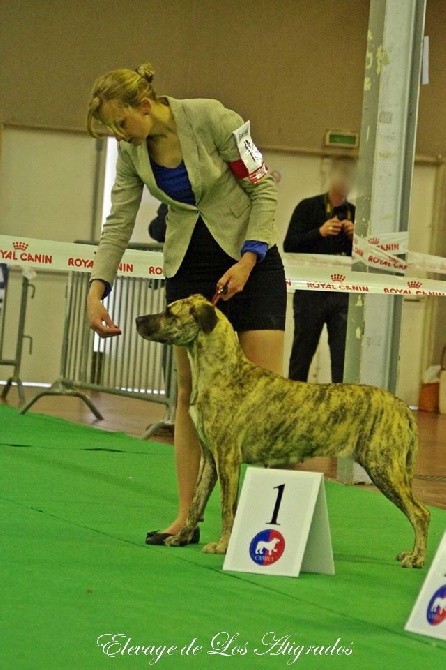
<point x="249" y="154"/>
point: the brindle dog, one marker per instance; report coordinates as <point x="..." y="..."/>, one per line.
<point x="244" y="413"/>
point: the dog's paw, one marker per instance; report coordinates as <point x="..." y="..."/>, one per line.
<point x="410" y="560"/>
<point x="215" y="547"/>
<point x="179" y="540"/>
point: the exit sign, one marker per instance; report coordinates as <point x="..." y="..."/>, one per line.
<point x="341" y="138"/>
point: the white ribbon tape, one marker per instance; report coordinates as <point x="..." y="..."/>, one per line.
<point x="395" y="243"/>
<point x="382" y="252"/>
<point x="426" y="263"/>
<point x="374" y="253"/>
<point x="347" y="281"/>
<point x="310" y="272"/>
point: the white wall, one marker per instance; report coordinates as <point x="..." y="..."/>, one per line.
<point x="46" y="192"/>
<point x="46" y="184"/>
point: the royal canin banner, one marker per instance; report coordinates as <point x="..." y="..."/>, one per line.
<point x="394" y="243"/>
<point x="309" y="272"/>
<point x="308" y="279"/>
<point x="50" y="255"/>
<point x="373" y="253"/>
<point x="382" y="253"/>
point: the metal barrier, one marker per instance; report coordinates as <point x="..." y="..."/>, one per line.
<point x="16" y="361"/>
<point x="126" y="365"/>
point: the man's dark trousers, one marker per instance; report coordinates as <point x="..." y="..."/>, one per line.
<point x="313" y="310"/>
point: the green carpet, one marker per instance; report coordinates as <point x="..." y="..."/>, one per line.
<point x="76" y="503"/>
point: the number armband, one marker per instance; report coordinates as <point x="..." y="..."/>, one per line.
<point x="250" y="163"/>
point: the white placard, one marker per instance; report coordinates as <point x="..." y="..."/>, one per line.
<point x="281" y="526"/>
<point x="249" y="154"/>
<point x="428" y="616"/>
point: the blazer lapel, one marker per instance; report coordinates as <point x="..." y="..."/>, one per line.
<point x="146" y="173"/>
<point x="189" y="146"/>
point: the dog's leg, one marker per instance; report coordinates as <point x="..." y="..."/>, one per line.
<point x="200" y="475"/>
<point x="394" y="482"/>
<point x="206" y="481"/>
<point x="228" y="474"/>
<point x="419" y="517"/>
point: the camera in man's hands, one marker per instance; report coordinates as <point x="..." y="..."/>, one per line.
<point x="340" y="212"/>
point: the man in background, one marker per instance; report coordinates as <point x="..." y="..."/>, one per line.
<point x="323" y="224"/>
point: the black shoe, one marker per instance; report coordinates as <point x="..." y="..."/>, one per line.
<point x="156" y="538"/>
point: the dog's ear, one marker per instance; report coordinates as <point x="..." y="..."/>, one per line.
<point x="206" y="316"/>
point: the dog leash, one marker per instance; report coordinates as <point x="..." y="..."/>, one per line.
<point x="218" y="293"/>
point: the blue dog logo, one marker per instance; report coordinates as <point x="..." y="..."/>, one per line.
<point x="436" y="610"/>
<point x="267" y="547"/>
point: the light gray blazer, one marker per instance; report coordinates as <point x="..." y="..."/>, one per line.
<point x="234" y="210"/>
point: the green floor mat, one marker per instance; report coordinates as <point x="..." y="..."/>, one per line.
<point x="76" y="503"/>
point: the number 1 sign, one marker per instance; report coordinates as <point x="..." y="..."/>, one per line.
<point x="281" y="526"/>
<point x="429" y="613"/>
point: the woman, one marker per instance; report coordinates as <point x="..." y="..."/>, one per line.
<point x="198" y="158"/>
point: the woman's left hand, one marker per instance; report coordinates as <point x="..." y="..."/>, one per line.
<point x="236" y="277"/>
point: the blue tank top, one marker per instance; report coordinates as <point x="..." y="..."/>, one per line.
<point x="174" y="182"/>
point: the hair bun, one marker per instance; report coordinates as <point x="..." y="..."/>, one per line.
<point x="146" y="71"/>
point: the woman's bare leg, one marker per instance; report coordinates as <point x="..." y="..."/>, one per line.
<point x="264" y="348"/>
<point x="187" y="446"/>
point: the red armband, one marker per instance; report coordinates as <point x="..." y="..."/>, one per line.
<point x="250" y="164"/>
<point x="239" y="169"/>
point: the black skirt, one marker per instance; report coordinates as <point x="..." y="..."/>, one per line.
<point x="262" y="303"/>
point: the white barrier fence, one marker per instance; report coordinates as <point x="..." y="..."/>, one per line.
<point x="128" y="365"/>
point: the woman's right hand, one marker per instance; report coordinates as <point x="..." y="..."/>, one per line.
<point x="98" y="318"/>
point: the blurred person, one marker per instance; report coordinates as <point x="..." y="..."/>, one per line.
<point x="322" y="224"/>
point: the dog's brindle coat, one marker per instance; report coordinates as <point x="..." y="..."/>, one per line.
<point x="244" y="413"/>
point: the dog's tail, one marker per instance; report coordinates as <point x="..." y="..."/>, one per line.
<point x="412" y="444"/>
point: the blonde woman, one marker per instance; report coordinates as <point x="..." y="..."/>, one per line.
<point x="198" y="158"/>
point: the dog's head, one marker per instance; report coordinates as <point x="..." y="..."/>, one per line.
<point x="180" y="323"/>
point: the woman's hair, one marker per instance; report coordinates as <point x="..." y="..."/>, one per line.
<point x="128" y="87"/>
